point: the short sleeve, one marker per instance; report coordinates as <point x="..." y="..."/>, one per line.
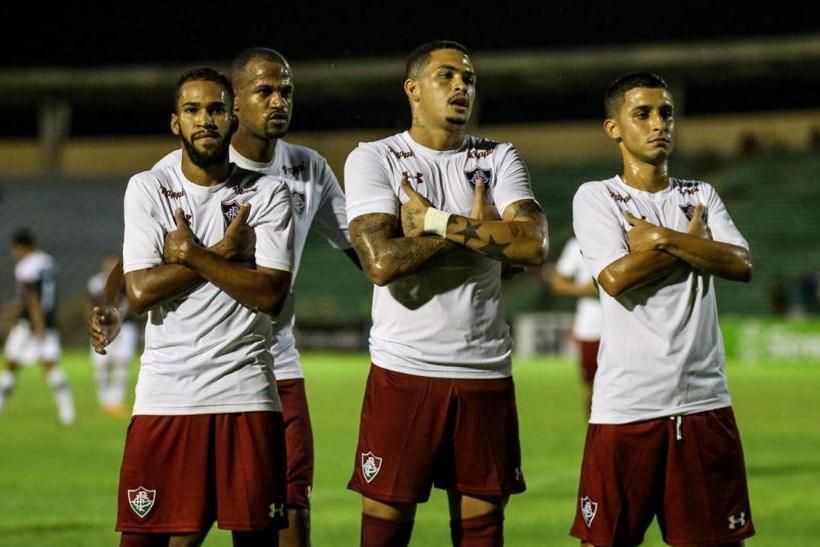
<point x="273" y="225"/>
<point x="367" y="184"/>
<point x="331" y="216"/>
<point x="512" y="182"/>
<point x="171" y="159"/>
<point x="598" y="228"/>
<point x="721" y="224"/>
<point x="144" y="234"/>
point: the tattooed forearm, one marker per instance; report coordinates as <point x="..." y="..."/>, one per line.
<point x="519" y="239"/>
<point x="384" y="254"/>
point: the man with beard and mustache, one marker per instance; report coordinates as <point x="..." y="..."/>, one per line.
<point x="263" y="84"/>
<point x="208" y="253"/>
<point x="439" y="406"/>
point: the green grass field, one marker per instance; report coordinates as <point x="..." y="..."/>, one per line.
<point x="57" y="486"/>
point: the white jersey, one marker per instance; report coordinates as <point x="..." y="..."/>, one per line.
<point x="589" y="316"/>
<point x="318" y="204"/>
<point x="37" y="272"/>
<point x="661" y="350"/>
<point x="446" y="320"/>
<point x="204" y="351"/>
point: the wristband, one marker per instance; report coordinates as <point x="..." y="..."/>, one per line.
<point x="435" y="222"/>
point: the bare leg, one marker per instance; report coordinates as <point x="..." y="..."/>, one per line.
<point x="297" y="534"/>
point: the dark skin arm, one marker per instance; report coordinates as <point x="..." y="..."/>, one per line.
<point x="35" y="312"/>
<point x="566" y="286"/>
<point x="259" y="288"/>
<point x="520" y="237"/>
<point x="384" y="254"/>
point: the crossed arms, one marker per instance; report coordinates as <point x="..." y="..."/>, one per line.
<point x="654" y="251"/>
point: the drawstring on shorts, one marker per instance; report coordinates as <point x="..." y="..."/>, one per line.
<point x="678" y="430"/>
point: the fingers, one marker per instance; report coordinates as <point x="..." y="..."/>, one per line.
<point x="698" y="212"/>
<point x="242" y="216"/>
<point x="630" y="218"/>
<point x="407" y="188"/>
<point x="478" y="200"/>
<point x="179" y="218"/>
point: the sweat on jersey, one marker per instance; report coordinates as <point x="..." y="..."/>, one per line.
<point x="446" y="320"/>
<point x="204" y="351"/>
<point x="37" y="272"/>
<point x="661" y="349"/>
<point x="318" y="204"/>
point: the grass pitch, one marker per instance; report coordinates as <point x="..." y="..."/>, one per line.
<point x="58" y="485"/>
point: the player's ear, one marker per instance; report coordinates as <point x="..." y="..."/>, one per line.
<point x="411" y="89"/>
<point x="175" y="124"/>
<point x="612" y="130"/>
<point x="234" y="122"/>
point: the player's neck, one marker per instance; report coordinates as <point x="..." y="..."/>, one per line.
<point x="645" y="176"/>
<point x="254" y="148"/>
<point x="437" y="138"/>
<point x="205" y="176"/>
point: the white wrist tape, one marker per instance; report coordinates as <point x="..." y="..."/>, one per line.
<point x="435" y="222"/>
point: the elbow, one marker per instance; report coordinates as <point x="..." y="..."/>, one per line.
<point x="611" y="284"/>
<point x="378" y="274"/>
<point x="137" y="300"/>
<point x="273" y="299"/>
<point x="746" y="271"/>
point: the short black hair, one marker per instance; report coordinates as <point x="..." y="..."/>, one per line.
<point x="206" y="74"/>
<point x="240" y="62"/>
<point x="420" y="56"/>
<point x="617" y="89"/>
<point x="23" y="237"/>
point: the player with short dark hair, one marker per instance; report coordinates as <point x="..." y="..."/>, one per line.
<point x="264" y="88"/>
<point x="34" y="336"/>
<point x="439" y="406"/>
<point x="662" y="439"/>
<point x="207" y="253"/>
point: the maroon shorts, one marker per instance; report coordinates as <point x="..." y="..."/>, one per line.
<point x="589" y="359"/>
<point x="688" y="472"/>
<point x="299" y="441"/>
<point x="418" y="431"/>
<point x="180" y="473"/>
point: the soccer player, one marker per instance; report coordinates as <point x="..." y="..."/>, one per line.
<point x="111" y="368"/>
<point x="263" y="83"/>
<point x="439" y="406"/>
<point x="570" y="277"/>
<point x="662" y="440"/>
<point x="206" y="441"/>
<point x="34" y="336"/>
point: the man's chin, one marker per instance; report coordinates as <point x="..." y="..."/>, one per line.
<point x="456" y="120"/>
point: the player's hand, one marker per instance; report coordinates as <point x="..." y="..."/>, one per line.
<point x="103" y="326"/>
<point x="239" y="242"/>
<point x="412" y="212"/>
<point x="179" y="242"/>
<point x="697" y="226"/>
<point x="644" y="236"/>
<point x="482" y="210"/>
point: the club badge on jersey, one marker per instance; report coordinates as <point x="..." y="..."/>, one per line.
<point x="479" y="175"/>
<point x="229" y="211"/>
<point x="689" y="211"/>
<point x="299" y="202"/>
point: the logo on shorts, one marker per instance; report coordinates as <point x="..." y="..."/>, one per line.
<point x="588" y="510"/>
<point x="276" y="510"/>
<point x="141" y="500"/>
<point x="738" y="521"/>
<point x="371" y="465"/>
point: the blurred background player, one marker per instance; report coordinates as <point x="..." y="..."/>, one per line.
<point x="439" y="406"/>
<point x="35" y="336"/>
<point x="263" y="83"/>
<point x="662" y="439"/>
<point x="570" y="277"/>
<point x="111" y="367"/>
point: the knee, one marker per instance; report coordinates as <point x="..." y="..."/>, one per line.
<point x="397" y="512"/>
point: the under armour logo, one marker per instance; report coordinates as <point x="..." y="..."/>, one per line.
<point x="737" y="522"/>
<point x="277" y="510"/>
<point x="418" y="176"/>
<point x="517" y="472"/>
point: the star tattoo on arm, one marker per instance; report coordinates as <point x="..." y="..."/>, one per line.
<point x="494" y="249"/>
<point x="469" y="232"/>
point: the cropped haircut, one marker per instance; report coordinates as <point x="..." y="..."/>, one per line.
<point x="23" y="237"/>
<point x="617" y="90"/>
<point x="240" y="62"/>
<point x="420" y="56"/>
<point x="202" y="74"/>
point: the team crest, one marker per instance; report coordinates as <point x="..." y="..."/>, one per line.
<point x="141" y="501"/>
<point x="689" y="211"/>
<point x="479" y="175"/>
<point x="371" y="465"/>
<point x="588" y="510"/>
<point x="298" y="200"/>
<point x="229" y="211"/>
